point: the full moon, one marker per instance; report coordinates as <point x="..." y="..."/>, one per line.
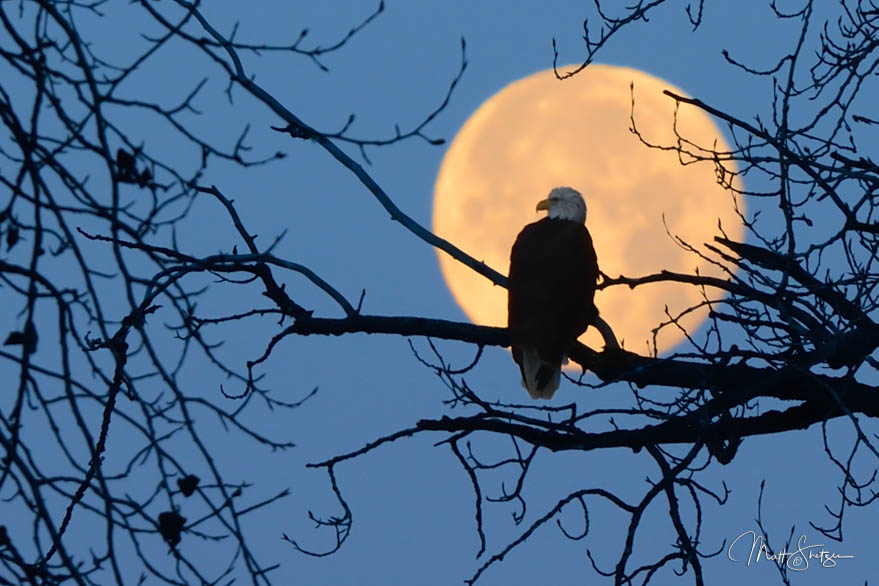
<point x="538" y="133"/>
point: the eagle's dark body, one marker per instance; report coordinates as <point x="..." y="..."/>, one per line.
<point x="553" y="273"/>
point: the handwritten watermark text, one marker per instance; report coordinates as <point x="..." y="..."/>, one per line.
<point x="796" y="560"/>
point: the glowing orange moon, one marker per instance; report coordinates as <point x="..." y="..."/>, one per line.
<point x="538" y="133"/>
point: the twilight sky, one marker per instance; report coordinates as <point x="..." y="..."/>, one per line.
<point x="412" y="503"/>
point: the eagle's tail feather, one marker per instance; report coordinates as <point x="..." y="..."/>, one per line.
<point x="539" y="377"/>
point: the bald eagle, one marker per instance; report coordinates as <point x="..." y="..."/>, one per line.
<point x="553" y="272"/>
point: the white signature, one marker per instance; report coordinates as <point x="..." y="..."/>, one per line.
<point x="797" y="560"/>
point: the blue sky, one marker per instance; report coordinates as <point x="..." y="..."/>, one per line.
<point x="412" y="503"/>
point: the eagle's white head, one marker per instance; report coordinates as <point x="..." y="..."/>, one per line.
<point x="564" y="203"/>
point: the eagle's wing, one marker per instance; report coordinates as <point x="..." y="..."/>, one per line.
<point x="553" y="272"/>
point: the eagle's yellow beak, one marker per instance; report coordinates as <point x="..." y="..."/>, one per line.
<point x="543" y="204"/>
